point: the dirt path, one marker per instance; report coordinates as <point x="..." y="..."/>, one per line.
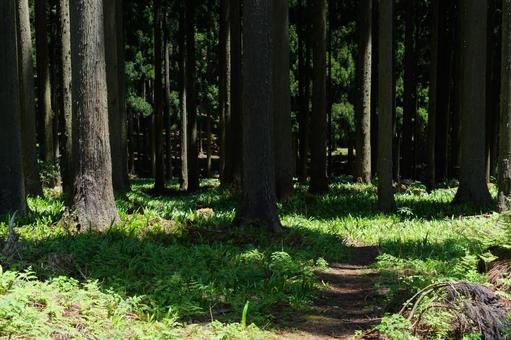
<point x="349" y="302"/>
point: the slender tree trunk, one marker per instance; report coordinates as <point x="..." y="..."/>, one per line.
<point x="167" y="114"/>
<point x="284" y="167"/>
<point x="184" y="108"/>
<point x="473" y="187"/>
<point x="319" y="180"/>
<point x="433" y="99"/>
<point x="93" y="200"/>
<point x="159" y="184"/>
<point x="303" y="118"/>
<point x="258" y="206"/>
<point x="193" y="147"/>
<point x="410" y="93"/>
<point x="44" y="111"/>
<point x="493" y="90"/>
<point x="28" y="124"/>
<point x="386" y="200"/>
<point x="504" y="175"/>
<point x="363" y="119"/>
<point x="224" y="54"/>
<point x="233" y="165"/>
<point x="12" y="186"/>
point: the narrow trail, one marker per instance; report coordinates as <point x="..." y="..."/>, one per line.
<point x="349" y="302"/>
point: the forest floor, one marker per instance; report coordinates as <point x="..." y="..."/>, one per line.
<point x="175" y="267"/>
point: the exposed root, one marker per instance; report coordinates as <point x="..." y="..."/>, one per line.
<point x="474" y="309"/>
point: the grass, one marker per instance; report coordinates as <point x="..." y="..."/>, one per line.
<point x="176" y="268"/>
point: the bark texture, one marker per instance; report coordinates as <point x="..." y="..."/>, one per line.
<point x="284" y="167"/>
<point x="473" y="187"/>
<point x="28" y="116"/>
<point x="258" y="206"/>
<point x="12" y="187"/>
<point x="319" y="180"/>
<point x="386" y="200"/>
<point x="93" y="197"/>
<point x="364" y="73"/>
<point x="159" y="184"/>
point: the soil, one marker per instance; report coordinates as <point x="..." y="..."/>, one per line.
<point x="349" y="302"/>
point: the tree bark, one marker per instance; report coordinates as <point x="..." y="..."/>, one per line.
<point x="319" y="180"/>
<point x="504" y="174"/>
<point x="258" y="206"/>
<point x="193" y="147"/>
<point x="363" y="118"/>
<point x="93" y="197"/>
<point x="386" y="200"/>
<point x="410" y="93"/>
<point x="159" y="184"/>
<point x="433" y="96"/>
<point x="44" y="109"/>
<point x="284" y="167"/>
<point x="304" y="84"/>
<point x="184" y="108"/>
<point x="12" y="186"/>
<point x="224" y="82"/>
<point x="473" y="187"/>
<point x="28" y="124"/>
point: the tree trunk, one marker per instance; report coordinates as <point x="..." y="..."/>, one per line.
<point x="224" y="78"/>
<point x="28" y="124"/>
<point x="44" y="111"/>
<point x="304" y="81"/>
<point x="167" y="108"/>
<point x="363" y="119"/>
<point x="193" y="148"/>
<point x="410" y="93"/>
<point x="184" y="101"/>
<point x="258" y="206"/>
<point x="12" y="187"/>
<point x="319" y="180"/>
<point x="93" y="199"/>
<point x="493" y="90"/>
<point x="433" y="99"/>
<point x="504" y="175"/>
<point x="284" y="167"/>
<point x="233" y="166"/>
<point x="473" y="187"/>
<point x="386" y="200"/>
<point x="159" y="184"/>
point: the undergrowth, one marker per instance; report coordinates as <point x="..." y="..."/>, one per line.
<point x="175" y="267"/>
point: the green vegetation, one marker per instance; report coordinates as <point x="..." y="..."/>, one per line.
<point x="175" y="263"/>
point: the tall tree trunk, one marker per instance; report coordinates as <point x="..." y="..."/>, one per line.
<point x="28" y="124"/>
<point x="12" y="186"/>
<point x="433" y="99"/>
<point x="44" y="109"/>
<point x="504" y="185"/>
<point x="93" y="199"/>
<point x="224" y="54"/>
<point x="184" y="101"/>
<point x="233" y="165"/>
<point x="159" y="184"/>
<point x="114" y="110"/>
<point x="473" y="187"/>
<point x="193" y="147"/>
<point x="304" y="81"/>
<point x="284" y="167"/>
<point x="258" y="206"/>
<point x="363" y="118"/>
<point x="167" y="108"/>
<point x="319" y="180"/>
<point x="410" y="93"/>
<point x="66" y="103"/>
<point x="386" y="200"/>
<point x="492" y="90"/>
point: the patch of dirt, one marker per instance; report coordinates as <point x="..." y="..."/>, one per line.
<point x="349" y="301"/>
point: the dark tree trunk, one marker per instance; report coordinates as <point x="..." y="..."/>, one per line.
<point x="184" y="108"/>
<point x="191" y="105"/>
<point x="363" y="119"/>
<point x="12" y="187"/>
<point x="233" y="164"/>
<point x="167" y="108"/>
<point x="473" y="187"/>
<point x="284" y="167"/>
<point x="410" y="93"/>
<point x="224" y="54"/>
<point x="159" y="184"/>
<point x="319" y="180"/>
<point x="44" y="109"/>
<point x="28" y="124"/>
<point x="386" y="200"/>
<point x="93" y="199"/>
<point x="433" y="99"/>
<point x="304" y="81"/>
<point x="504" y="196"/>
<point x="258" y="206"/>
